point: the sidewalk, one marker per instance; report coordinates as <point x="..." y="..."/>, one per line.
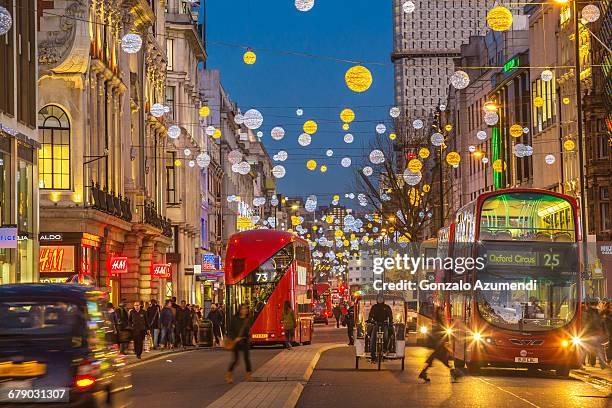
<point x="279" y="382"/>
<point x="595" y="376"/>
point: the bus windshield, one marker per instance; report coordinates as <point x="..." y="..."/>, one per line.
<point x="522" y="216"/>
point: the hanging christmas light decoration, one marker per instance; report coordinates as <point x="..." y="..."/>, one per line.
<point x="550" y="159"/>
<point x="538" y="101"/>
<point x="253" y="119"/>
<point x="216" y="134"/>
<point x="358" y="78"/>
<point x="516" y="130"/>
<point x="437" y="139"/>
<point x="392" y="136"/>
<point x="367" y="170"/>
<point x="304" y="139"/>
<point x="239" y="119"/>
<point x="481" y="135"/>
<point x="310" y="127"/>
<point x="377" y="157"/>
<point x="187" y="152"/>
<point x="460" y="79"/>
<point x="304" y="5"/>
<point x="499" y="18"/>
<point x="157" y="110"/>
<point x="394" y="112"/>
<point x="569" y="145"/>
<point x="424" y="152"/>
<point x="491" y="118"/>
<point x="191" y="163"/>
<point x="546" y="75"/>
<point x="6" y="21"/>
<point x="415" y="165"/>
<point x="323" y="168"/>
<point x="347" y="115"/>
<point x="472" y="148"/>
<point x="244" y="168"/>
<point x="203" y="160"/>
<point x="519" y="150"/>
<point x="299" y="112"/>
<point x="453" y="158"/>
<point x="329" y="153"/>
<point x="381" y="128"/>
<point x="278" y="171"/>
<point x="485" y="160"/>
<point x="412" y="178"/>
<point x="499" y="165"/>
<point x="311" y="164"/>
<point x="566" y="100"/>
<point x="235" y="156"/>
<point x="345" y="126"/>
<point x="346" y="162"/>
<point x="277" y="133"/>
<point x="528" y="150"/>
<point x="260" y="134"/>
<point x="348" y="138"/>
<point x="408" y="7"/>
<point x="131" y="43"/>
<point x="174" y="132"/>
<point x="591" y="13"/>
<point x="249" y="57"/>
<point x="525" y="130"/>
<point x="282" y="155"/>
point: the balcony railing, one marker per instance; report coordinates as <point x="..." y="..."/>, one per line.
<point x="151" y="217"/>
<point x="110" y="203"/>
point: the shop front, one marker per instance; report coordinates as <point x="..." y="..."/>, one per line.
<point x="209" y="281"/>
<point x="63" y="255"/>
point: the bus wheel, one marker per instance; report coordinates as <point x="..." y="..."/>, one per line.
<point x="356" y="363"/>
<point x="459" y="363"/>
<point x="563" y="371"/>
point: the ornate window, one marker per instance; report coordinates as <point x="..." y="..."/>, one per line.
<point x="54" y="158"/>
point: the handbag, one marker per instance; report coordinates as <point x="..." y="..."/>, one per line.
<point x="147" y="343"/>
<point x="230" y="344"/>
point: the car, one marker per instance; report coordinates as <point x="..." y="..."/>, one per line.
<point x="58" y="341"/>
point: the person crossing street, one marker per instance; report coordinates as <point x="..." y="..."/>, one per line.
<point x="350" y="323"/>
<point x="140" y="327"/>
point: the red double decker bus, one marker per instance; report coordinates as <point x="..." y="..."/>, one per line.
<point x="264" y="268"/>
<point x="322" y="303"/>
<point x="522" y="236"/>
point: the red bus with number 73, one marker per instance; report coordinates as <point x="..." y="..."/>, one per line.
<point x="264" y="268"/>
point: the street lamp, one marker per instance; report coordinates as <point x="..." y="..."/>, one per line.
<point x="491" y="106"/>
<point x="478" y="155"/>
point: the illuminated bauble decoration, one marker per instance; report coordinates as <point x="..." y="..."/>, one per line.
<point x="243" y="168"/>
<point x="282" y="155"/>
<point x="277" y="133"/>
<point x="191" y="163"/>
<point x="346" y="162"/>
<point x="210" y="130"/>
<point x="323" y="168"/>
<point x="358" y="78"/>
<point x="216" y="134"/>
<point x="6" y="21"/>
<point x="426" y="188"/>
<point x="491" y="118"/>
<point x="310" y="127"/>
<point x="278" y="171"/>
<point x="417" y="124"/>
<point x="249" y="57"/>
<point x="131" y="43"/>
<point x="274" y="201"/>
<point x="424" y="153"/>
<point x="453" y="158"/>
<point x="546" y="75"/>
<point x="460" y="79"/>
<point x="408" y="7"/>
<point x="367" y="170"/>
<point x="392" y="136"/>
<point x="566" y="100"/>
<point x="311" y="164"/>
<point x="235" y="156"/>
<point x="338" y="233"/>
<point x="538" y="101"/>
<point x="381" y="128"/>
<point x="499" y="166"/>
<point x="472" y="148"/>
<point x="174" y="132"/>
<point x="516" y="130"/>
<point x="394" y="112"/>
<point x="345" y="126"/>
<point x="499" y="18"/>
<point x="299" y="112"/>
<point x="203" y="160"/>
<point x="442" y="107"/>
<point x="528" y="150"/>
<point x="412" y="178"/>
<point x="569" y="145"/>
<point x="204" y="111"/>
<point x="437" y="139"/>
<point x="550" y="159"/>
<point x="415" y="165"/>
<point x="304" y="5"/>
<point x="329" y="153"/>
<point x="485" y="160"/>
<point x="239" y="118"/>
<point x="481" y="135"/>
<point x="448" y="127"/>
<point x="304" y="139"/>
<point x="187" y="152"/>
<point x="377" y="157"/>
<point x="348" y="138"/>
<point x="347" y="115"/>
<point x="157" y="110"/>
<point x="253" y="119"/>
<point x="519" y="150"/>
<point x="177" y="163"/>
<point x="260" y="134"/>
<point x="525" y="130"/>
<point x="591" y="13"/>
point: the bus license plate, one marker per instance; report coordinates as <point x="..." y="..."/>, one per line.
<point x="525" y="360"/>
<point x="260" y="336"/>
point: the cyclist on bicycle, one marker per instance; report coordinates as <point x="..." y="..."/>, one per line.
<point x="381" y="316"/>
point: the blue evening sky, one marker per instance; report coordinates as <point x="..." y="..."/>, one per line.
<point x="277" y="85"/>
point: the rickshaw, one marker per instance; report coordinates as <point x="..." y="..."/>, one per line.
<point x="396" y="342"/>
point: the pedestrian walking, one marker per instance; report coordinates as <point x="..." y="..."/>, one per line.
<point x="124" y="333"/>
<point x="607" y="321"/>
<point x="112" y="317"/>
<point x="153" y="315"/>
<point x="140" y="327"/>
<point x="437" y="341"/>
<point x="350" y="323"/>
<point x="166" y="321"/>
<point x="221" y="308"/>
<point x="196" y="317"/>
<point x="595" y="335"/>
<point x="182" y="323"/>
<point x="343" y="312"/>
<point x="215" y="317"/>
<point x="289" y="324"/>
<point x="239" y="340"/>
<point x="337" y="312"/>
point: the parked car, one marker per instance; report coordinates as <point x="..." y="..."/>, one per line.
<point x="59" y="336"/>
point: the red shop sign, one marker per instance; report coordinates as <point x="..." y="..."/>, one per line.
<point x="117" y="265"/>
<point x="161" y="271"/>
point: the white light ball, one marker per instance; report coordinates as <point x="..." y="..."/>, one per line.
<point x="210" y="130"/>
<point x="519" y="150"/>
<point x="6" y="21"/>
<point x="277" y="133"/>
<point x="253" y="119"/>
<point x="299" y="112"/>
<point x="174" y="132"/>
<point x="412" y="178"/>
<point x="528" y="150"/>
<point x="408" y="7"/>
<point x="304" y="5"/>
<point x="131" y="43"/>
<point x="491" y="118"/>
<point x="235" y="156"/>
<point x="394" y="112"/>
<point x="437" y="139"/>
<point x="329" y="153"/>
<point x="157" y="110"/>
<point x="282" y="155"/>
<point x="239" y="118"/>
<point x="367" y="170"/>
<point x="485" y="160"/>
<point x="381" y="128"/>
<point x="304" y="139"/>
<point x="260" y="134"/>
<point x="203" y="160"/>
<point x="550" y="159"/>
<point x="348" y="138"/>
<point x="472" y="148"/>
<point x="591" y="13"/>
<point x="481" y="135"/>
<point x="187" y="152"/>
<point x="346" y="162"/>
<point x="243" y="168"/>
<point x="417" y="124"/>
<point x="191" y="163"/>
<point x="377" y="157"/>
<point x="278" y="171"/>
<point x="460" y="79"/>
<point x="546" y="75"/>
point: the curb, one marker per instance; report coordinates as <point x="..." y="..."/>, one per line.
<point x="594" y="380"/>
<point x="159" y="356"/>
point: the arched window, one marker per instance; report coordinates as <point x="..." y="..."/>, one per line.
<point x="54" y="158"/>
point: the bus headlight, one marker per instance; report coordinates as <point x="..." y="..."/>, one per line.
<point x="576" y="341"/>
<point x="564" y="343"/>
<point x="423" y="329"/>
<point x="449" y="331"/>
<point x="477" y="336"/>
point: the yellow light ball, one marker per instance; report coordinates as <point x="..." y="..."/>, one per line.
<point x="448" y="127"/>
<point x="426" y="188"/>
<point x="516" y="130"/>
<point x="177" y="163"/>
<point x="216" y="134"/>
<point x="358" y="78"/>
<point x="566" y="100"/>
<point x="415" y="165"/>
<point x="323" y="168"/>
<point x="538" y="101"/>
<point x="347" y="115"/>
<point x="569" y="145"/>
<point x="311" y="164"/>
<point x="453" y="158"/>
<point x="204" y="111"/>
<point x="392" y="136"/>
<point x="424" y="153"/>
<point x="499" y="166"/>
<point x="345" y="126"/>
<point x="329" y="219"/>
<point x="499" y="18"/>
<point x="249" y="57"/>
<point x="336" y="197"/>
<point x="338" y="233"/>
<point x="310" y="127"/>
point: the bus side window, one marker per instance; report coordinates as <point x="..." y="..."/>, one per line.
<point x="309" y="294"/>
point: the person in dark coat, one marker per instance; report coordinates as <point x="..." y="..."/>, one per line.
<point x="215" y="317"/>
<point x="438" y="340"/>
<point x="239" y="332"/>
<point x="350" y="323"/>
<point x="166" y="321"/>
<point x="336" y="311"/>
<point x="123" y="324"/>
<point x="153" y="315"/>
<point x="182" y="323"/>
<point x="140" y="327"/>
<point x="112" y="317"/>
